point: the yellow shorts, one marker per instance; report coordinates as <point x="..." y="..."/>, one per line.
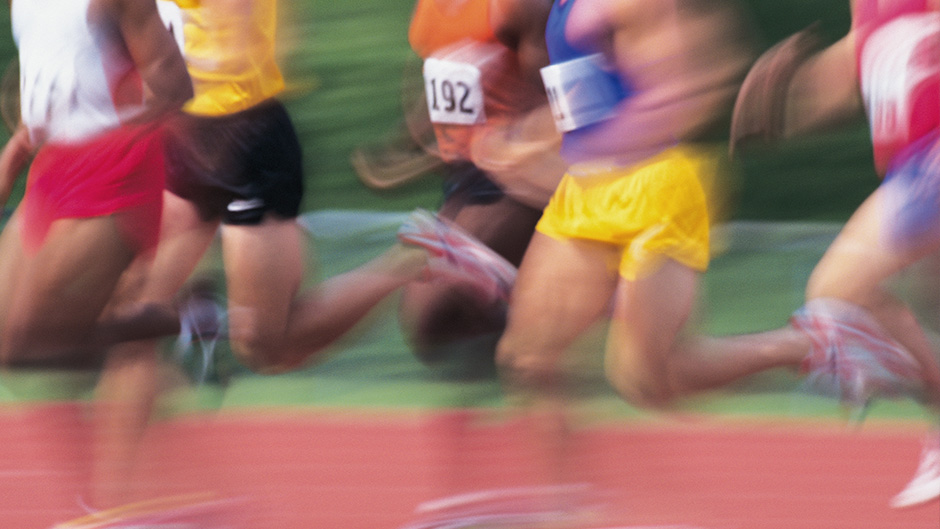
<point x="658" y="208"/>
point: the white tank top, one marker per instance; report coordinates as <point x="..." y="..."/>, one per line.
<point x="76" y="77"/>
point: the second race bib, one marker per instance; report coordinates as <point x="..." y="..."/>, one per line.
<point x="581" y="92"/>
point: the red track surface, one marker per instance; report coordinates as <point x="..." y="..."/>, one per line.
<point x="325" y="471"/>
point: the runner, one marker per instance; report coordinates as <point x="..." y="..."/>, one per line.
<point x="887" y="65"/>
<point x="492" y="126"/>
<point x="109" y="202"/>
<point x="234" y="164"/>
<point x="627" y="230"/>
<point x="93" y="193"/>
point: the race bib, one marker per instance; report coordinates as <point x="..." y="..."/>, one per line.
<point x="581" y="92"/>
<point x="454" y="92"/>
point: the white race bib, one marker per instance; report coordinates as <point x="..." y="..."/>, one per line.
<point x="580" y="92"/>
<point x="454" y="92"/>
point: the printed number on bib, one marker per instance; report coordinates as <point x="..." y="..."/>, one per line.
<point x="454" y="92"/>
<point x="580" y="92"/>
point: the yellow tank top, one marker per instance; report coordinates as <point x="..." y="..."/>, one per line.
<point x="230" y="51"/>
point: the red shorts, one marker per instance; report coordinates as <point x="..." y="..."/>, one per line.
<point x="120" y="173"/>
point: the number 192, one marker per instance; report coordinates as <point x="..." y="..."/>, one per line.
<point x="454" y="96"/>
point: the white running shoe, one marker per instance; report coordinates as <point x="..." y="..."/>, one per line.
<point x="457" y="254"/>
<point x="852" y="357"/>
<point x="516" y="508"/>
<point x="201" y="325"/>
<point x="925" y="486"/>
<point x="197" y="511"/>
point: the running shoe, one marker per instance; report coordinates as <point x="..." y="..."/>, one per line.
<point x="202" y="319"/>
<point x="925" y="486"/>
<point x="517" y="508"/>
<point x="191" y="511"/>
<point x="852" y="357"/>
<point x="458" y="255"/>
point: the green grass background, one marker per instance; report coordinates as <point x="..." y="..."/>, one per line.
<point x="344" y="66"/>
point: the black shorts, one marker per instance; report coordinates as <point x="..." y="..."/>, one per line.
<point x="483" y="210"/>
<point x="237" y="168"/>
<point x="467" y="184"/>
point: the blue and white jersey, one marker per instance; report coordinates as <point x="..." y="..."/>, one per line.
<point x="581" y="88"/>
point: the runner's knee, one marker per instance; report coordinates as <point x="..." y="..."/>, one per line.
<point x="639" y="385"/>
<point x="650" y="394"/>
<point x="259" y="349"/>
<point x="525" y="365"/>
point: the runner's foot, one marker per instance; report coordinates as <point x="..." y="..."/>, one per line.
<point x="204" y="511"/>
<point x="457" y="255"/>
<point x="925" y="486"/>
<point x="201" y="326"/>
<point x="852" y="357"/>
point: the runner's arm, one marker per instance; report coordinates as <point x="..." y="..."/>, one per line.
<point x="167" y="85"/>
<point x="13" y="159"/>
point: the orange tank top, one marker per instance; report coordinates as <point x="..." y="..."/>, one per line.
<point x="437" y="24"/>
<point x="460" y="32"/>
